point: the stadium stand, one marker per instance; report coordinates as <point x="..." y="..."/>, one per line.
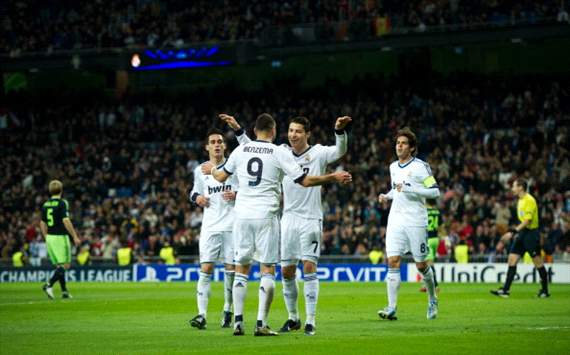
<point x="48" y="26"/>
<point x="127" y="165"/>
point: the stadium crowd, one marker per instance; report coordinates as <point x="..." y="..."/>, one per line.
<point x="47" y="26"/>
<point x="127" y="167"/>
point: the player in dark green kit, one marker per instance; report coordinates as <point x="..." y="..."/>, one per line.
<point x="434" y="221"/>
<point x="56" y="228"/>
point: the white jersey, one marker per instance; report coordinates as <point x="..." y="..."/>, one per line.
<point x="260" y="167"/>
<point x="219" y="216"/>
<point x="302" y="201"/>
<point x="408" y="209"/>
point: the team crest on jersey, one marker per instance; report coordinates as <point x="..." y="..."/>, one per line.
<point x="307" y="157"/>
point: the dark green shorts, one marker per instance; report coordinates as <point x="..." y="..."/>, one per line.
<point x="526" y="240"/>
<point x="59" y="249"/>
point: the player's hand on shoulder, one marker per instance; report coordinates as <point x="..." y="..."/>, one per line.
<point x="207" y="168"/>
<point x="230" y="121"/>
<point x="203" y="201"/>
<point x="229" y="195"/>
<point x="341" y="122"/>
<point x="343" y="177"/>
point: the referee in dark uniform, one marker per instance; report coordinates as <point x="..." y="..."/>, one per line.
<point x="526" y="239"/>
<point x="56" y="228"/>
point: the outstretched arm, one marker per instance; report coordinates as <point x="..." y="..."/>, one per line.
<point x="210" y="169"/>
<point x="341" y="177"/>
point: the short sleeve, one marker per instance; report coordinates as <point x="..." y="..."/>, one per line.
<point x="528" y="210"/>
<point x="64" y="205"/>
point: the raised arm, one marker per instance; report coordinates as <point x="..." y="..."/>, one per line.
<point x="239" y="131"/>
<point x="341" y="140"/>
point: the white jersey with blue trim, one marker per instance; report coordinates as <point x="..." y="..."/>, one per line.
<point x="260" y="167"/>
<point x="408" y="208"/>
<point x="302" y="201"/>
<point x="219" y="216"/>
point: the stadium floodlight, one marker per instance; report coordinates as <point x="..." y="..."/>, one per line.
<point x="135" y="60"/>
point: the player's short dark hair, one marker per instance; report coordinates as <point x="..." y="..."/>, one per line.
<point x="213" y="131"/>
<point x="431" y="201"/>
<point x="303" y="121"/>
<point x="264" y="123"/>
<point x="55" y="187"/>
<point x="412" y="140"/>
<point x="522" y="182"/>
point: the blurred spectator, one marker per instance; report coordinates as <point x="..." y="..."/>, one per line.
<point x="130" y="182"/>
<point x="35" y="25"/>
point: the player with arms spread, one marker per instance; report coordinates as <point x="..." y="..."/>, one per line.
<point x="260" y="166"/>
<point x="56" y="227"/>
<point x="301" y="224"/>
<point x="216" y="237"/>
<point x="412" y="183"/>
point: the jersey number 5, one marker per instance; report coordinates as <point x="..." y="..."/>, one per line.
<point x="49" y="214"/>
<point x="255" y="172"/>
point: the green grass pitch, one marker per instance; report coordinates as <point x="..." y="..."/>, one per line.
<point x="126" y="318"/>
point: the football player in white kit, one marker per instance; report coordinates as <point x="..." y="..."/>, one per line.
<point x="260" y="166"/>
<point x="301" y="224"/>
<point x="412" y="182"/>
<point x="216" y="239"/>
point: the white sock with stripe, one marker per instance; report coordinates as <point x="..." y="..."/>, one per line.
<point x="311" y="289"/>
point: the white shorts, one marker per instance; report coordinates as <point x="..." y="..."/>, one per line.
<point x="216" y="246"/>
<point x="401" y="239"/>
<point x="300" y="239"/>
<point x="256" y="239"/>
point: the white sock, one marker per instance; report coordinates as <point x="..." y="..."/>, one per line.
<point x="266" y="291"/>
<point x="228" y="290"/>
<point x="429" y="281"/>
<point x="393" y="285"/>
<point x="239" y="293"/>
<point x="203" y="293"/>
<point x="290" y="294"/>
<point x="311" y="289"/>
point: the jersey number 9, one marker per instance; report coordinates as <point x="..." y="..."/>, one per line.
<point x="255" y="173"/>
